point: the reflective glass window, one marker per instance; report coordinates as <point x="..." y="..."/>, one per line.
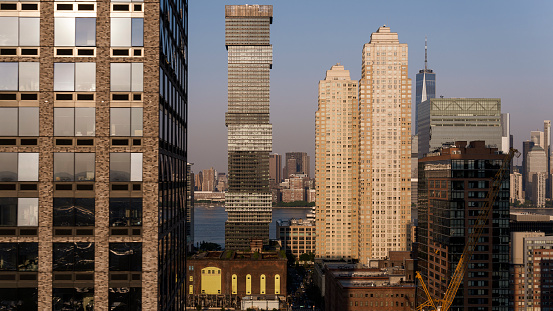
<point x="77" y="256"/>
<point x="28" y="121"/>
<point x="136" y="121"/>
<point x="121" y="29"/>
<point x="64" y="121"/>
<point x="64" y="31"/>
<point x="8" y="256"/>
<point x="23" y="298"/>
<point x="27" y="257"/>
<point x="85" y="121"/>
<point x="85" y="31"/>
<point x="119" y="166"/>
<point x="64" y="166"/>
<point x="29" y="31"/>
<point x="70" y="212"/>
<point x="8" y="212"/>
<point x="64" y="77"/>
<point x="8" y="121"/>
<point x="126" y="121"/>
<point x="29" y="76"/>
<point x="136" y="166"/>
<point x="9" y="76"/>
<point x="9" y="31"/>
<point x="8" y="166"/>
<point x="137" y="32"/>
<point x="27" y="212"/>
<point x="85" y="77"/>
<point x="81" y="298"/>
<point x="125" y="212"/>
<point x="27" y="169"/>
<point x="126" y="77"/>
<point x="84" y="166"/>
<point x="125" y="298"/>
<point x="125" y="256"/>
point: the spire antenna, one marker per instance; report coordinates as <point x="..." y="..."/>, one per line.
<point x="425" y="54"/>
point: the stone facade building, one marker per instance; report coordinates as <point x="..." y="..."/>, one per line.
<point x="93" y="170"/>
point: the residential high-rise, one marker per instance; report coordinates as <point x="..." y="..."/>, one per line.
<point x="275" y="168"/>
<point x="385" y="147"/>
<point x="297" y="163"/>
<point x="526" y="147"/>
<point x="536" y="163"/>
<point x="93" y="170"/>
<point x="446" y="120"/>
<point x="336" y="166"/>
<point x="425" y="85"/>
<point x="453" y="185"/>
<point x="190" y="208"/>
<point x="208" y="180"/>
<point x="250" y="57"/>
<point x="516" y="193"/>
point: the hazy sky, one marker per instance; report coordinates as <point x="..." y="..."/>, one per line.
<point x="476" y="48"/>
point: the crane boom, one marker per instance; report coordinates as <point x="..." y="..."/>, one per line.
<point x="477" y="230"/>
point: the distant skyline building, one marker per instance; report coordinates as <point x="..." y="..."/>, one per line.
<point x="208" y="179"/>
<point x="299" y="166"/>
<point x="425" y="85"/>
<point x="336" y="166"/>
<point x="275" y="168"/>
<point x="250" y="58"/>
<point x="446" y="120"/>
<point x="506" y="137"/>
<point x="384" y="214"/>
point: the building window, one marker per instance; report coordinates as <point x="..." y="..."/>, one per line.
<point x="78" y="256"/>
<point x="125" y="212"/>
<point x="81" y="298"/>
<point x="125" y="166"/>
<point x="21" y="212"/>
<point x="125" y="298"/>
<point x="22" y="77"/>
<point x="23" y="298"/>
<point x="73" y="212"/>
<point x="127" y="32"/>
<point x="19" y="121"/>
<point x="74" y="121"/>
<point x="126" y="121"/>
<point x="69" y="166"/>
<point x="127" y="77"/>
<point x="18" y="166"/>
<point x="125" y="256"/>
<point x="74" y="77"/>
<point x="19" y="31"/>
<point x="19" y="257"/>
<point x="74" y="31"/>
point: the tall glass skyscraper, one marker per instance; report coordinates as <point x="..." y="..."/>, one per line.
<point x="425" y="85"/>
<point x="248" y="200"/>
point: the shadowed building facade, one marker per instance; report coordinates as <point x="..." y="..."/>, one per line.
<point x="250" y="55"/>
<point x="93" y="170"/>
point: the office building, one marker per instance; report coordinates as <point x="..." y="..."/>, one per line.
<point x="532" y="255"/>
<point x="296" y="163"/>
<point x="453" y="185"/>
<point x="536" y="163"/>
<point x="275" y="168"/>
<point x="526" y="147"/>
<point x="250" y="57"/>
<point x="93" y="178"/>
<point x="222" y="182"/>
<point x="446" y="120"/>
<point x="425" y="85"/>
<point x="523" y="221"/>
<point x="384" y="164"/>
<point x="190" y="208"/>
<point x="336" y="165"/>
<point x="297" y="236"/>
<point x="208" y="179"/>
<point x="547" y="148"/>
<point x="538" y="189"/>
<point x="506" y="136"/>
<point x="515" y="184"/>
<point x="198" y="181"/>
<point x="227" y="279"/>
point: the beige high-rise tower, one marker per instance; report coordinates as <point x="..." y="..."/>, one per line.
<point x="336" y="165"/>
<point x="385" y="146"/>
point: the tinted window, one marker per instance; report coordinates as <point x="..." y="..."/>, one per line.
<point x="125" y="256"/>
<point x="124" y="212"/>
<point x="73" y="256"/>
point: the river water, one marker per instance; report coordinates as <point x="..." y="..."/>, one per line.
<point x="209" y="222"/>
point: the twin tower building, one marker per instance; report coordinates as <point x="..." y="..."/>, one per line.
<point x="363" y="144"/>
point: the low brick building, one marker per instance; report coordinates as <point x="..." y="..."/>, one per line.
<point x="223" y="279"/>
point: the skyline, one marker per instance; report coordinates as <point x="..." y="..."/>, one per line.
<point x="468" y="60"/>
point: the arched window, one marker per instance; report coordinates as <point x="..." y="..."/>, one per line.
<point x="248" y="284"/>
<point x="262" y="284"/>
<point x="277" y="284"/>
<point x="234" y="284"/>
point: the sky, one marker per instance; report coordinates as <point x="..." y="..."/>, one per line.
<point x="478" y="49"/>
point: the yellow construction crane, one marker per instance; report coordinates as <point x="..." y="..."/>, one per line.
<point x="444" y="303"/>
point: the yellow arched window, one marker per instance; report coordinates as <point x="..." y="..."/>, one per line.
<point x="234" y="284"/>
<point x="277" y="284"/>
<point x="262" y="284"/>
<point x="211" y="280"/>
<point x="248" y="284"/>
